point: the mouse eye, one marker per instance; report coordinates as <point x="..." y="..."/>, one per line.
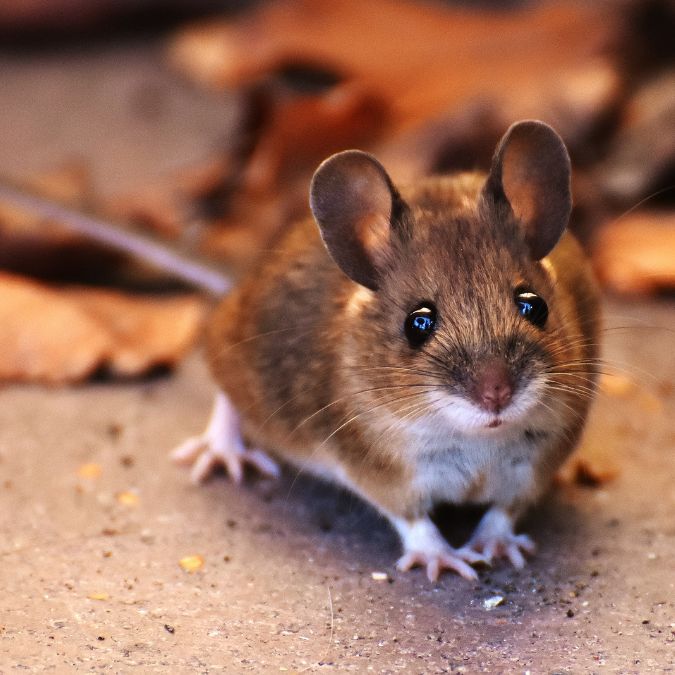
<point x="419" y="325"/>
<point x="531" y="307"/>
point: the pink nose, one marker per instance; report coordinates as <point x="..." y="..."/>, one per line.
<point x="493" y="387"/>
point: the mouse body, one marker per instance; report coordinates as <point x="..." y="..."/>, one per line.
<point x="417" y="344"/>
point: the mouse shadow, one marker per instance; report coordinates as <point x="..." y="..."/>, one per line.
<point x="357" y="538"/>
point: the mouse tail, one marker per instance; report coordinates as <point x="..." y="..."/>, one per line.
<point x="116" y="237"/>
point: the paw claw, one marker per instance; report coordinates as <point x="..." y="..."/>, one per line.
<point x="203" y="464"/>
<point x="435" y="563"/>
<point x="188" y="451"/>
<point x="473" y="557"/>
<point x="512" y="552"/>
<point x="406" y="562"/>
<point x="263" y="463"/>
<point x="495" y="538"/>
<point x="526" y="544"/>
<point x="221" y="445"/>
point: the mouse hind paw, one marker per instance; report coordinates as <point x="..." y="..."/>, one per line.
<point x="221" y="445"/>
<point x="424" y="546"/>
<point x="494" y="538"/>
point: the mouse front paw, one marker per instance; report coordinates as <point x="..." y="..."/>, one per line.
<point x="424" y="546"/>
<point x="458" y="560"/>
<point x="494" y="538"/>
<point x="220" y="445"/>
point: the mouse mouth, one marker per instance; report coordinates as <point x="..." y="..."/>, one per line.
<point x="465" y="416"/>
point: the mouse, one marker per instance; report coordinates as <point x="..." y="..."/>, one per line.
<point x="420" y="344"/>
<point x="417" y="344"/>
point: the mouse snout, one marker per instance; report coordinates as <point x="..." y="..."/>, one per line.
<point x="492" y="388"/>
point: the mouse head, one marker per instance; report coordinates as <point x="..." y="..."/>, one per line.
<point x="455" y="284"/>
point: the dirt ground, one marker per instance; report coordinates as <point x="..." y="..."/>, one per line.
<point x="89" y="564"/>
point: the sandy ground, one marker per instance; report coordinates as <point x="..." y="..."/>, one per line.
<point x="89" y="565"/>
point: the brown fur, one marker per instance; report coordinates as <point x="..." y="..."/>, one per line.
<point x="320" y="371"/>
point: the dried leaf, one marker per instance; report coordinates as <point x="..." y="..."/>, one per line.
<point x="305" y="130"/>
<point x="451" y="54"/>
<point x="636" y="254"/>
<point x="44" y="336"/>
<point x="642" y="155"/>
<point x="589" y="466"/>
<point x="64" y="336"/>
<point x="145" y="332"/>
<point x="616" y="385"/>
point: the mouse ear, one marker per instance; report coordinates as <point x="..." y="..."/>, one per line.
<point x="531" y="172"/>
<point x="352" y="199"/>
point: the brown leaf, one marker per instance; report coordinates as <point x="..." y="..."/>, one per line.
<point x="641" y="159"/>
<point x="70" y="183"/>
<point x="423" y="58"/>
<point x="303" y="131"/>
<point x="145" y="332"/>
<point x="45" y="337"/>
<point x="156" y="208"/>
<point x="589" y="466"/>
<point x="636" y="253"/>
<point x="57" y="337"/>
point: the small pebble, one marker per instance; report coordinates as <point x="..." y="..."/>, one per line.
<point x="494" y="601"/>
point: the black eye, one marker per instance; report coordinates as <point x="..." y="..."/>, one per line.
<point x="419" y="325"/>
<point x="531" y="306"/>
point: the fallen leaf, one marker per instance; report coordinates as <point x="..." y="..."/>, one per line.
<point x="301" y="132"/>
<point x="636" y="253"/>
<point x="450" y="54"/>
<point x="592" y="465"/>
<point x="641" y="157"/>
<point x="146" y="332"/>
<point x="57" y="336"/>
<point x="617" y="385"/>
<point x="44" y="336"/>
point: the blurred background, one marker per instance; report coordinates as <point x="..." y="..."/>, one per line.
<point x="199" y="123"/>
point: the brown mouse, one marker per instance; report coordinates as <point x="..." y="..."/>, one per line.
<point x="433" y="343"/>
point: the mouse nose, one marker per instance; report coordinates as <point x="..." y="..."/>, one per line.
<point x="493" y="386"/>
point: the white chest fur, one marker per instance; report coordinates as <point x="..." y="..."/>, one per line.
<point x="486" y="466"/>
<point x="475" y="469"/>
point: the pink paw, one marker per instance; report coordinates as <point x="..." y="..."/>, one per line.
<point x="221" y="445"/>
<point x="457" y="560"/>
<point x="508" y="547"/>
<point x="206" y="457"/>
<point x="494" y="538"/>
<point x="424" y="546"/>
